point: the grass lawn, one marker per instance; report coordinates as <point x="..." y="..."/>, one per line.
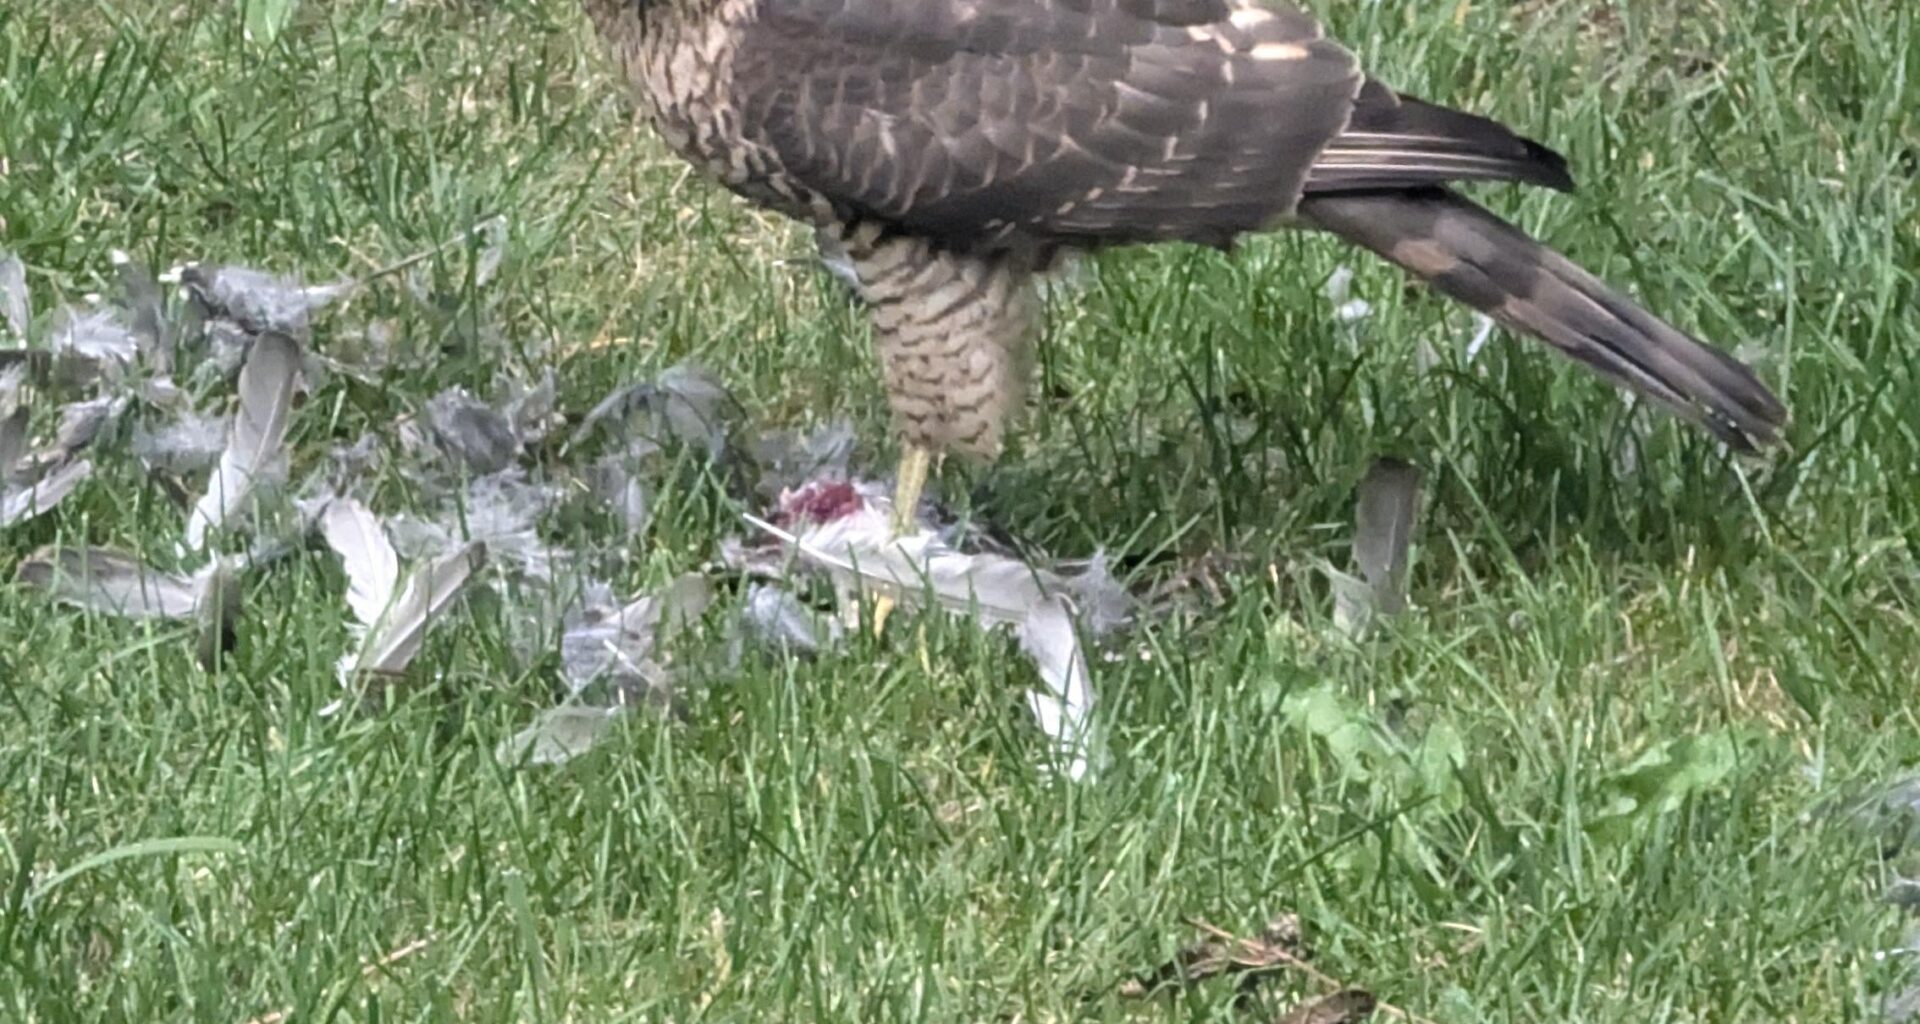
<point x="1620" y="764"/>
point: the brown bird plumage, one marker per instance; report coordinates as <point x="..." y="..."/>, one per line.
<point x="956" y="147"/>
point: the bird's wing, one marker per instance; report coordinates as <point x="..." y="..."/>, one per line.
<point x="1095" y="120"/>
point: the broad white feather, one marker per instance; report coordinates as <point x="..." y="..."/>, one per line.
<point x="861" y="553"/>
<point x="1063" y="706"/>
<point x="373" y="570"/>
<point x="857" y="546"/>
<point x="389" y="645"/>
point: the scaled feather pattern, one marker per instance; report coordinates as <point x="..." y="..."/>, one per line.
<point x="947" y="153"/>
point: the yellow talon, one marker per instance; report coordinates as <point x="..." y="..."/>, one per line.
<point x="882" y="607"/>
<point x="915" y="461"/>
<point x="911" y="479"/>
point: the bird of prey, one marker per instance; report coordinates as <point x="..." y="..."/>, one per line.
<point x="956" y="148"/>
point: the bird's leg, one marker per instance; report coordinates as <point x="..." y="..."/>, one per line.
<point x="915" y="461"/>
<point x="909" y="481"/>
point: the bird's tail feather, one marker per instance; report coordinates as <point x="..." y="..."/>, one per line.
<point x="1468" y="253"/>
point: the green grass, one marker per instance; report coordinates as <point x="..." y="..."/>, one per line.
<point x="1608" y="608"/>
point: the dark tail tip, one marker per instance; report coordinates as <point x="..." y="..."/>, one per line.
<point x="1469" y="254"/>
<point x="1549" y="168"/>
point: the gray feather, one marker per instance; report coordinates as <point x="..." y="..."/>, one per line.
<point x="502" y="511"/>
<point x="389" y="645"/>
<point x="372" y="568"/>
<point x="625" y="644"/>
<point x="257" y="301"/>
<point x="465" y="428"/>
<point x="16" y="303"/>
<point x="82" y="423"/>
<point x="684" y="404"/>
<point x="95" y="336"/>
<point x="189" y="443"/>
<point x="110" y="581"/>
<point x="558" y="735"/>
<point x="147" y="309"/>
<point x="20" y="502"/>
<point x="790" y="458"/>
<point x="267" y="385"/>
<point x="615" y="481"/>
<point x="13" y="435"/>
<point x="1384" y="520"/>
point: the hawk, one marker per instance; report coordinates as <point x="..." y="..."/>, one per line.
<point x="955" y="148"/>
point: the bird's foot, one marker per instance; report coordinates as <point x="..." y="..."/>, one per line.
<point x="915" y="463"/>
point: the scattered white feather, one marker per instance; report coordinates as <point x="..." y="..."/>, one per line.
<point x="97" y="336"/>
<point x="846" y="531"/>
<point x="859" y="550"/>
<point x="627" y="644"/>
<point x="1063" y="706"/>
<point x="389" y="641"/>
<point x="256" y="301"/>
<point x="773" y="616"/>
<point x="1352" y="603"/>
<point x="502" y="511"/>
<point x="1339" y="288"/>
<point x="373" y="569"/>
<point x="1101" y="604"/>
<point x="189" y="442"/>
<point x="558" y="735"/>
<point x="21" y="502"/>
<point x="1483" y="326"/>
<point x="393" y="616"/>
<point x="255" y="437"/>
<point x="120" y="584"/>
<point x="16" y="303"/>
<point x="493" y="249"/>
